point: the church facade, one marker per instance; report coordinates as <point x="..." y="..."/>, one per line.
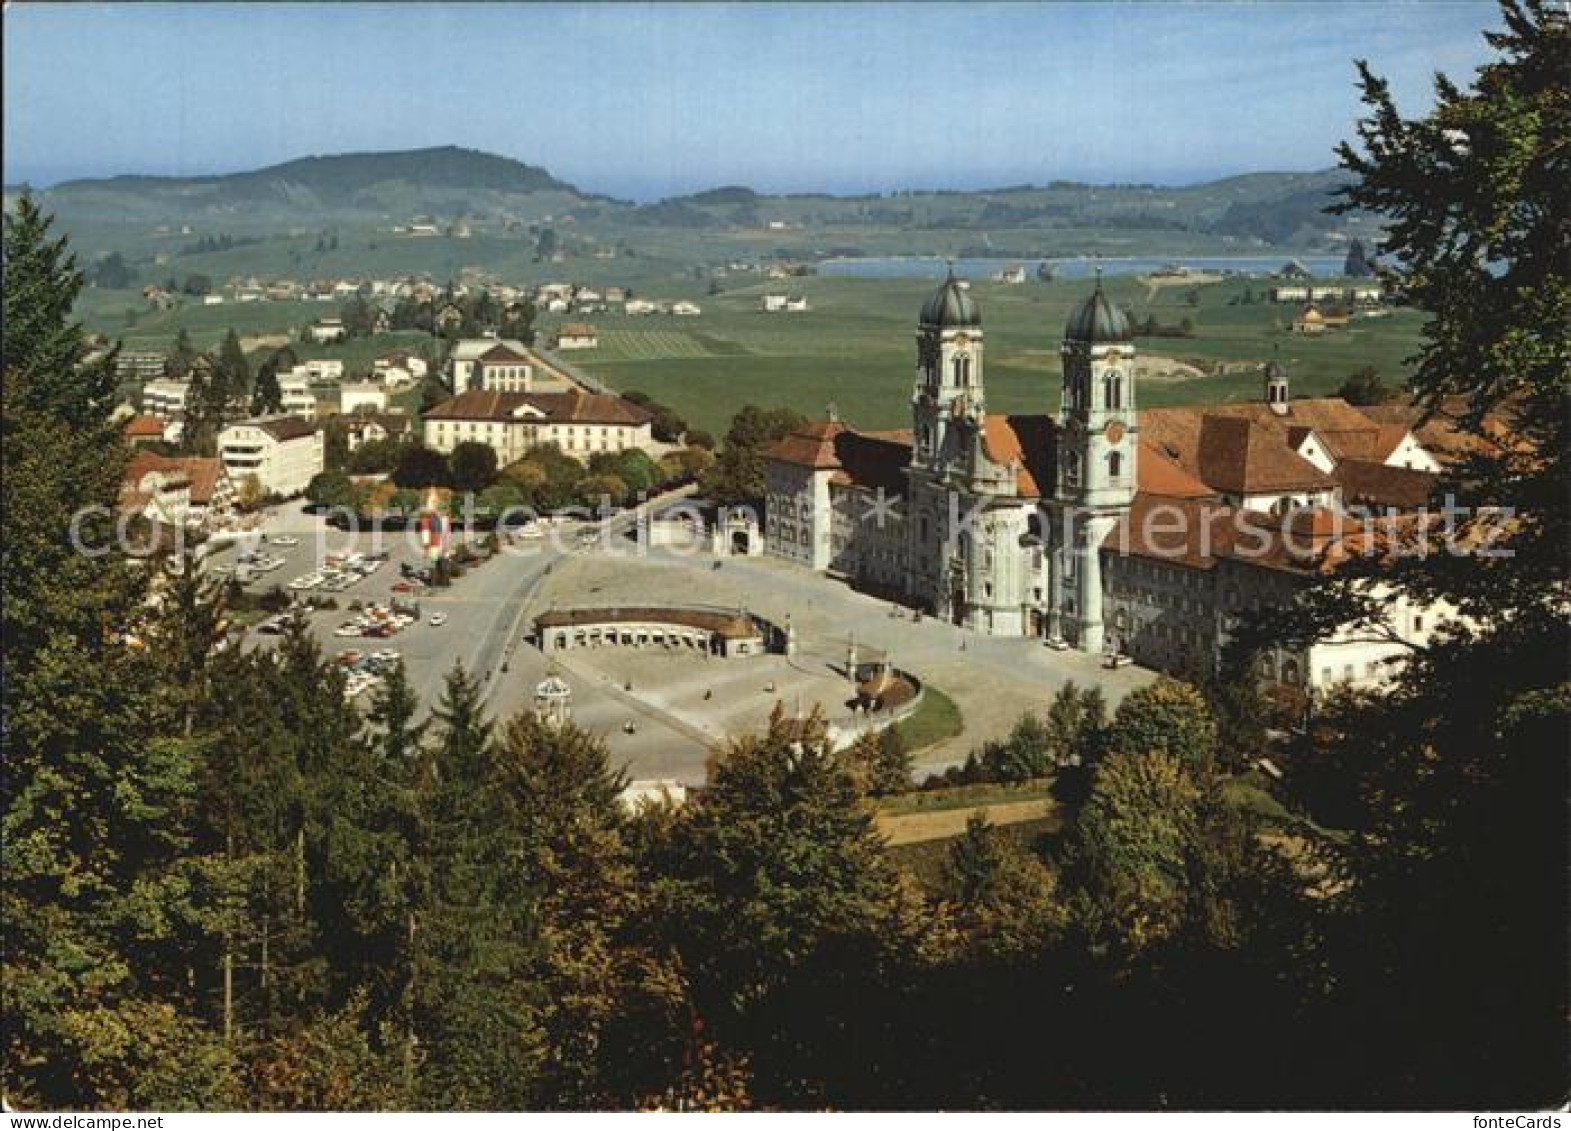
<point x="1101" y="527"/>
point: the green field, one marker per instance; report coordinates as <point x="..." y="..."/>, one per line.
<point x="854" y="348"/>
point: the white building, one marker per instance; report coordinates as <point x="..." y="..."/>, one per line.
<point x="577" y="336"/>
<point x="502" y="369"/>
<point x="296" y="395"/>
<point x="362" y="396"/>
<point x="461" y="362"/>
<point x="685" y="309"/>
<point x="639" y="306"/>
<point x="283" y="453"/>
<point x="329" y="330"/>
<point x="579" y="423"/>
<point x="365" y="427"/>
<point x="165" y="397"/>
<point x="398" y="368"/>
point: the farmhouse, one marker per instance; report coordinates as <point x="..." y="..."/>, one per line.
<point x="577" y="336"/>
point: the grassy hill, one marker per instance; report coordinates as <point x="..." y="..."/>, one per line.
<point x="337" y="215"/>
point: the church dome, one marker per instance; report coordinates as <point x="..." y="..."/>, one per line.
<point x="951" y="305"/>
<point x="1097" y="321"/>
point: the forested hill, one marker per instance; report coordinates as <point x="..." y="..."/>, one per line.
<point x="441" y="181"/>
<point x="450" y="183"/>
<point x="1274" y="208"/>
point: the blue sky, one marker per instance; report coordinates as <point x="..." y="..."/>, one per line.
<point x="645" y="100"/>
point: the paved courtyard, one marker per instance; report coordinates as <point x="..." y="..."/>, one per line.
<point x="992" y="680"/>
<point x="675" y="728"/>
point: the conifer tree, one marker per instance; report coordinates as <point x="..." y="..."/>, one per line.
<point x="42" y="340"/>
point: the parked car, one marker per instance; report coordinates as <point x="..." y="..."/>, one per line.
<point x="438" y="620"/>
<point x="284" y="540"/>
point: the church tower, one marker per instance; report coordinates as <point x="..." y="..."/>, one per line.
<point x="948" y="376"/>
<point x="1098" y="442"/>
<point x="1276" y="387"/>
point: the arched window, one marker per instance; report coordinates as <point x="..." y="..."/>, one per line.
<point x="1072" y="469"/>
<point x="1113" y="390"/>
<point x="962" y="370"/>
<point x="1115" y="464"/>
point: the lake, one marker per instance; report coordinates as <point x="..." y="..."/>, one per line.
<point x="935" y="267"/>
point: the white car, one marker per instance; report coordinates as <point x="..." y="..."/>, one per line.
<point x="438" y="620"/>
<point x="284" y="540"/>
<point x="350" y="629"/>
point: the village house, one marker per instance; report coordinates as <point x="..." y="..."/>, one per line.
<point x="141" y="428"/>
<point x="177" y="491"/>
<point x="364" y="427"/>
<point x="357" y="396"/>
<point x="685" y="309"/>
<point x="1309" y="322"/>
<point x="398" y="368"/>
<point x="577" y="336"/>
<point x="328" y="330"/>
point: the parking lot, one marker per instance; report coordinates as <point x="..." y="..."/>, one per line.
<point x="664" y="726"/>
<point x="379" y="609"/>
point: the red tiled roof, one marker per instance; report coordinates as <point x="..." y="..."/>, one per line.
<point x="1376" y="484"/>
<point x="812" y="445"/>
<point x="1241" y="456"/>
<point x="201" y="474"/>
<point x="142" y="426"/>
<point x="1200" y="534"/>
<point x="1028" y="442"/>
<point x="284" y="428"/>
<point x="1158" y="475"/>
<point x="1248" y="447"/>
<point x="499" y="354"/>
<point x="205" y="474"/>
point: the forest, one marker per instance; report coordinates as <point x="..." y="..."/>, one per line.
<point x="225" y="889"/>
